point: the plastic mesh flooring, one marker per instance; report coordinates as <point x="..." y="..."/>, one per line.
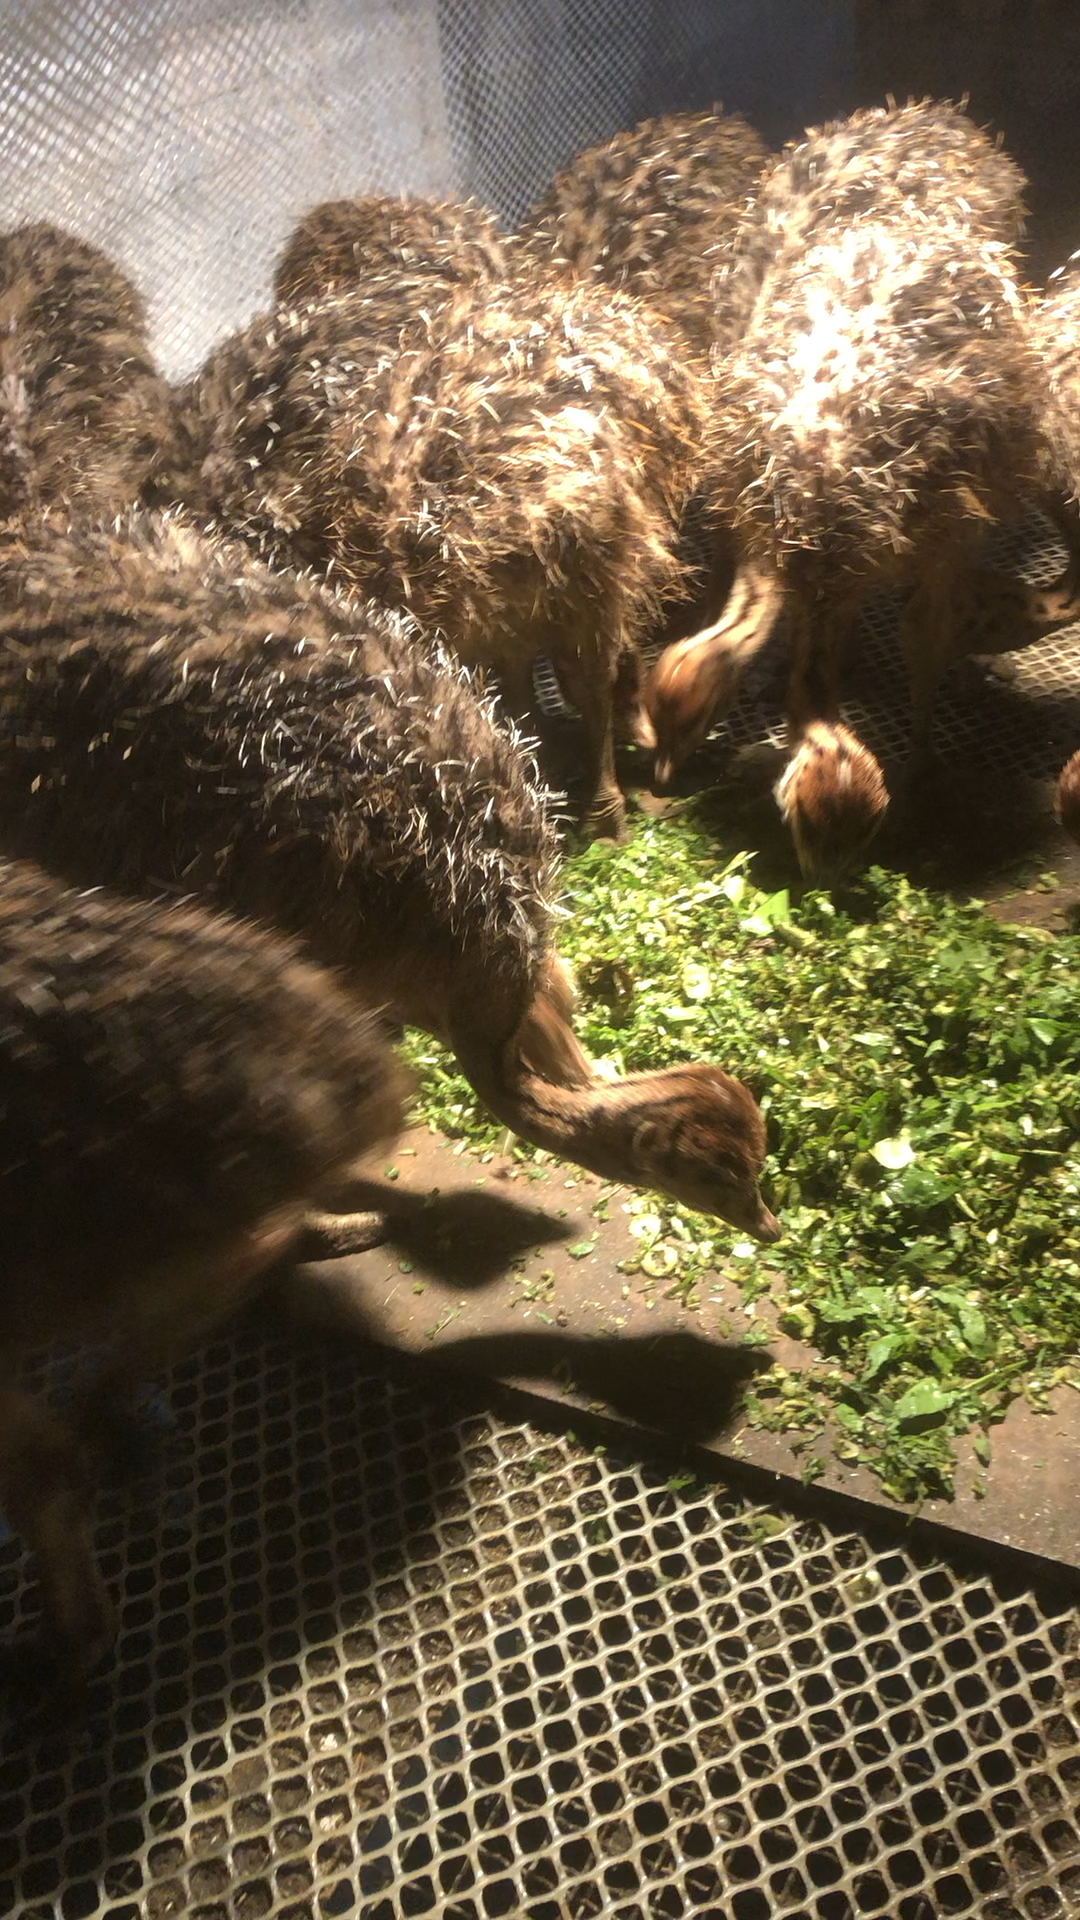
<point x="1027" y="723"/>
<point x="1022" y="719"/>
<point x="384" y="1654"/>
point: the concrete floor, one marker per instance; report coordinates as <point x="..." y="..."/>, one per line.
<point x="496" y="1270"/>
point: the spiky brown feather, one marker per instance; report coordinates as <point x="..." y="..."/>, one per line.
<point x="504" y="468"/>
<point x="880" y="396"/>
<point x="83" y="408"/>
<point x="172" y="715"/>
<point x="880" y="393"/>
<point x="514" y="477"/>
<point x="652" y="212"/>
<point x="339" y="243"/>
<point x="170" y="1077"/>
<point x="877" y="410"/>
<point x="1055" y="327"/>
<point x="472" y="437"/>
<point x="877" y="164"/>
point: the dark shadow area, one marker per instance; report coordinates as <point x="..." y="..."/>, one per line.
<point x="675" y="1383"/>
<point x="468" y="1238"/>
<point x="289" y="1483"/>
<point x="1020" y="66"/>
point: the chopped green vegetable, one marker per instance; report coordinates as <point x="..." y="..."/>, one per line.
<point x="919" y="1065"/>
<point x="894" y="1154"/>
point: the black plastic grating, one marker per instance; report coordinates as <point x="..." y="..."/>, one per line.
<point x="384" y="1654"/>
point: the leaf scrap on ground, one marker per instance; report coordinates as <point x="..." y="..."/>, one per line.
<point x="919" y="1065"/>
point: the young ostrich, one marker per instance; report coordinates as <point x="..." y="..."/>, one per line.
<point x="1055" y="330"/>
<point x="339" y="243"/>
<point x="927" y="158"/>
<point x="82" y="407"/>
<point x="513" y="477"/>
<point x="891" y="168"/>
<point x="876" y="416"/>
<point x="873" y="416"/>
<point x="176" y="1087"/>
<point x="172" y="715"/>
<point x="654" y="213"/>
<point x="1068" y="797"/>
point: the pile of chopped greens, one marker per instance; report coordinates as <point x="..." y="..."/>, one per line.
<point x="919" y="1066"/>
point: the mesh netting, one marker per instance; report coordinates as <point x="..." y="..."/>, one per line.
<point x="186" y="137"/>
<point x="384" y="1654"/>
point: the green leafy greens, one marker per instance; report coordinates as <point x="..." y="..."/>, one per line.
<point x="919" y="1065"/>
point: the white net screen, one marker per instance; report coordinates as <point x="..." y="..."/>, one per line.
<point x="185" y="137"/>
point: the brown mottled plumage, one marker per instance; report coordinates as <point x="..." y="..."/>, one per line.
<point x="1055" y="333"/>
<point x="653" y="212"/>
<point x="878" y="409"/>
<point x="512" y="477"/>
<point x="171" y="715"/>
<point x="518" y="485"/>
<point x="82" y="406"/>
<point x="339" y="243"/>
<point x="834" y="798"/>
<point x="245" y="430"/>
<point x="176" y="1087"/>
<point x="878" y="400"/>
<point x="1068" y="797"/>
<point x="877" y="164"/>
<point x="1055" y="324"/>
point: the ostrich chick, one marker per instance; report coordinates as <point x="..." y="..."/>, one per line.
<point x="1055" y="330"/>
<point x="513" y="477"/>
<point x="176" y="1087"/>
<point x="1068" y="797"/>
<point x="654" y="213"/>
<point x="172" y="714"/>
<point x="875" y="416"/>
<point x="83" y="409"/>
<point x="339" y="243"/>
<point x="880" y="164"/>
<point x="885" y="171"/>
